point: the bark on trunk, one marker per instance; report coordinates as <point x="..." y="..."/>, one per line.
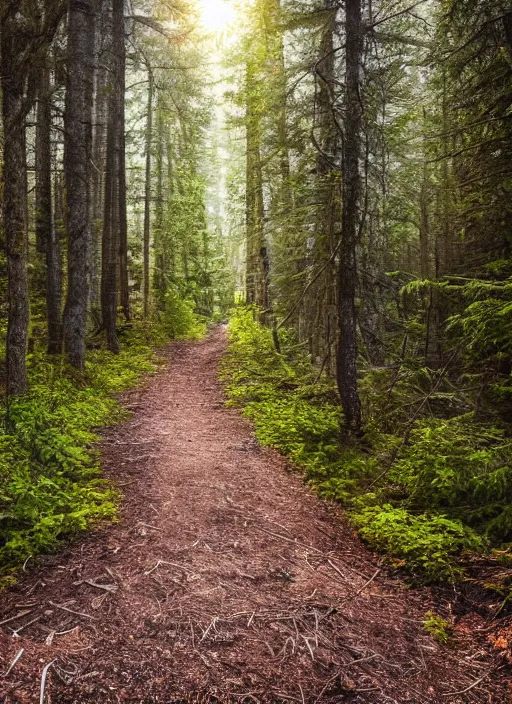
<point x="424" y="226"/>
<point x="256" y="280"/>
<point x="124" y="289"/>
<point x="147" y="197"/>
<point x="110" y="237"/>
<point x="347" y="348"/>
<point x="112" y="216"/>
<point x="46" y="234"/>
<point x="275" y="29"/>
<point x="159" y="244"/>
<point x="14" y="198"/>
<point x="320" y="305"/>
<point x="169" y="257"/>
<point x="43" y="157"/>
<point x="103" y="48"/>
<point x="77" y="159"/>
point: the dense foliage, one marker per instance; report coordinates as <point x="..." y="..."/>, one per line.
<point x="104" y="203"/>
<point x="377" y="239"/>
<point x="50" y="479"/>
<point x="425" y="493"/>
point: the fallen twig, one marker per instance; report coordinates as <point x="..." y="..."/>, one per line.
<point x="287" y="697"/>
<point x="212" y="625"/>
<point x="71" y="611"/>
<point x="302" y="695"/>
<point x="306" y="641"/>
<point x="25" y="625"/>
<point x="366" y="584"/>
<point x="294" y="541"/>
<point x="114" y="576"/>
<point x="106" y="587"/>
<point x="471" y="686"/>
<point x="43" y="681"/>
<point x="346" y="566"/>
<point x="340" y="673"/>
<point x="337" y="569"/>
<point x="14" y="618"/>
<point x="13" y="663"/>
<point x="148" y="525"/>
<point x="172" y="564"/>
<point x="49" y="638"/>
<point x="247" y="695"/>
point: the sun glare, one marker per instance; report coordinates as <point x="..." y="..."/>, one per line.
<point x="216" y="14"/>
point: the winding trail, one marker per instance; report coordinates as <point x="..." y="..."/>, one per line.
<point x="225" y="580"/>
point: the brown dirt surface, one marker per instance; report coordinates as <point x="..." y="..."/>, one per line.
<point x="226" y="580"/>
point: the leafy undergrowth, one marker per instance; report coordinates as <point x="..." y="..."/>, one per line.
<point x="50" y="478"/>
<point x="426" y="497"/>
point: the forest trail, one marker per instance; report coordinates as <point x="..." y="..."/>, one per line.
<point x="226" y="579"/>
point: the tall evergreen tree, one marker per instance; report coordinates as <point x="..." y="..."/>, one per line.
<point x="77" y="169"/>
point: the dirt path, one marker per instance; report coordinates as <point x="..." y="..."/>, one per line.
<point x="226" y="580"/>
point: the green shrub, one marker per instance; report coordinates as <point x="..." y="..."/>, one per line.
<point x="438" y="627"/>
<point x="179" y="319"/>
<point x="50" y="479"/>
<point x="444" y="490"/>
<point x="426" y="543"/>
<point x="461" y="467"/>
<point x="277" y="397"/>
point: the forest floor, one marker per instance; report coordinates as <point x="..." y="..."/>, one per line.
<point x="226" y="580"/>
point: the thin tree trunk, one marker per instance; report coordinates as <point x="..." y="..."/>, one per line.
<point x="347" y="348"/>
<point x="77" y="159"/>
<point x="158" y="283"/>
<point x="46" y="234"/>
<point x="277" y="30"/>
<point x="111" y="219"/>
<point x="110" y="235"/>
<point x="103" y="47"/>
<point x="14" y="198"/>
<point x="256" y="280"/>
<point x="250" y="187"/>
<point x="424" y="226"/>
<point x="43" y="158"/>
<point x="147" y="195"/>
<point x="322" y="298"/>
<point x="169" y="260"/>
<point x="124" y="289"/>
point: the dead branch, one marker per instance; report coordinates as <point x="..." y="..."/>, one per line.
<point x="13" y="663"/>
<point x="71" y="611"/>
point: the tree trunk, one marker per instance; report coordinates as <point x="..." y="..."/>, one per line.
<point x="424" y="225"/>
<point x="14" y="198"/>
<point x="169" y="258"/>
<point x="77" y="159"/>
<point x="46" y="234"/>
<point x="103" y="49"/>
<point x="320" y="303"/>
<point x="110" y="234"/>
<point x="250" y="225"/>
<point x="256" y="280"/>
<point x="124" y="289"/>
<point x="286" y="196"/>
<point x="159" y="243"/>
<point x="43" y="158"/>
<point x="112" y="217"/>
<point x="147" y="196"/>
<point x="347" y="348"/>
